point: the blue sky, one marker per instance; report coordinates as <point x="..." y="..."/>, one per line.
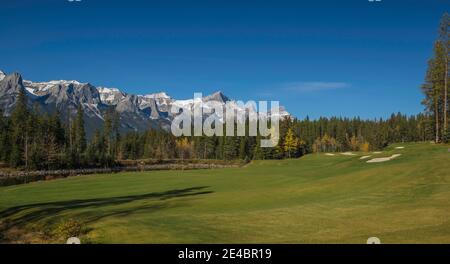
<point x="318" y="58"/>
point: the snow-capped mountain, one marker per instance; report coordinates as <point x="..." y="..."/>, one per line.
<point x="2" y="75"/>
<point x="137" y="112"/>
<point x="110" y="96"/>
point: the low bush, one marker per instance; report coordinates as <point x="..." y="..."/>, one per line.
<point x="68" y="228"/>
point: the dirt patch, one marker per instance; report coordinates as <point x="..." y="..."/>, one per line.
<point x="16" y="235"/>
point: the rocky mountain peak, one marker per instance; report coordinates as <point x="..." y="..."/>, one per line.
<point x="10" y="87"/>
<point x="110" y="96"/>
<point x="129" y="104"/>
<point x="217" y="96"/>
<point x="11" y="81"/>
<point x="137" y="112"/>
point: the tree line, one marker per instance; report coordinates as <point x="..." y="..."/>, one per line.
<point x="31" y="140"/>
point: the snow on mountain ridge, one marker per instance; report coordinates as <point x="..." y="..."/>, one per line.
<point x="2" y="75"/>
<point x="155" y="106"/>
<point x="66" y="82"/>
<point x="110" y="96"/>
<point x="157" y="95"/>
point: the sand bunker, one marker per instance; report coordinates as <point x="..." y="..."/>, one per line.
<point x="384" y="159"/>
<point x="348" y="154"/>
<point x="399" y="147"/>
<point x="330" y="154"/>
<point x="364" y="157"/>
<point x="377" y="152"/>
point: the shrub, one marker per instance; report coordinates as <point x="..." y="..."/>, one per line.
<point x="446" y="137"/>
<point x="68" y="228"/>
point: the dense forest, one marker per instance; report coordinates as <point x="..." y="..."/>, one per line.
<point x="32" y="140"/>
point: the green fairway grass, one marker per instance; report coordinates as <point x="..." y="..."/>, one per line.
<point x="315" y="199"/>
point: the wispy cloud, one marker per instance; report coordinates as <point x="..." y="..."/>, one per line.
<point x="303" y="87"/>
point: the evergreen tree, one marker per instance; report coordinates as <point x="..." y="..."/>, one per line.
<point x="80" y="134"/>
<point x="243" y="151"/>
<point x="4" y="141"/>
<point x="19" y="140"/>
<point x="108" y="130"/>
<point x="433" y="88"/>
<point x="444" y="38"/>
<point x="230" y="148"/>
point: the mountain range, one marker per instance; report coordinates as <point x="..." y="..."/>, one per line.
<point x="136" y="112"/>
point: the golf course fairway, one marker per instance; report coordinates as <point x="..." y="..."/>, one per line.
<point x="318" y="198"/>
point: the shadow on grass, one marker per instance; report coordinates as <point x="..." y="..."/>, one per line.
<point x="23" y="214"/>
